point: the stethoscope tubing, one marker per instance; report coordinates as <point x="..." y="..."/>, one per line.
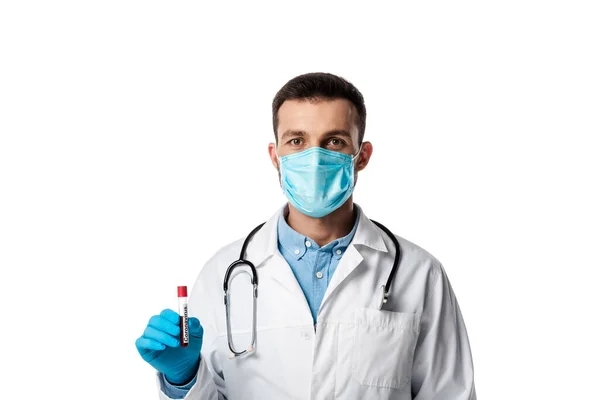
<point x="254" y="280"/>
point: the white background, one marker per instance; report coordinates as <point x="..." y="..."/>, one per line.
<point x="134" y="145"/>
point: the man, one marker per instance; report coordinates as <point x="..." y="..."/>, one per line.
<point x="320" y="265"/>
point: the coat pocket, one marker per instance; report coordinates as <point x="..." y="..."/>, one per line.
<point x="384" y="345"/>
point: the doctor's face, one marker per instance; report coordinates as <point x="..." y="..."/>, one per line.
<point x="330" y="124"/>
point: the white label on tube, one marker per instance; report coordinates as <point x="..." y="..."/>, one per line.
<point x="183" y="312"/>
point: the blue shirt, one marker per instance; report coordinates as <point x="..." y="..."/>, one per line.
<point x="313" y="267"/>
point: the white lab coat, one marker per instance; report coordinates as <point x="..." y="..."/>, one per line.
<point x="415" y="348"/>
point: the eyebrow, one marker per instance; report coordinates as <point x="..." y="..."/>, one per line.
<point x="292" y="133"/>
<point x="296" y="133"/>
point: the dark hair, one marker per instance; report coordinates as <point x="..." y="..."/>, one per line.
<point x="321" y="86"/>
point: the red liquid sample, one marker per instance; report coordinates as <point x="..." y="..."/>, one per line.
<point x="184" y="334"/>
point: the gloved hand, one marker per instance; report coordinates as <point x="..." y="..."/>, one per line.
<point x="160" y="347"/>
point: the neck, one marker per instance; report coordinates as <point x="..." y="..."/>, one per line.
<point x="326" y="229"/>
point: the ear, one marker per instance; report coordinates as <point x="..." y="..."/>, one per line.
<point x="273" y="155"/>
<point x="364" y="156"/>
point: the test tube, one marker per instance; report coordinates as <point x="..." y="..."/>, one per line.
<point x="184" y="333"/>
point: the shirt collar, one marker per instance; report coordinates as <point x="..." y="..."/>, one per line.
<point x="291" y="241"/>
<point x="264" y="244"/>
<point x="297" y="244"/>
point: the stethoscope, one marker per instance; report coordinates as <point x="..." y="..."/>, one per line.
<point x="385" y="289"/>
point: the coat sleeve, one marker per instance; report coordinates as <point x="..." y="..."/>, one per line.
<point x="443" y="365"/>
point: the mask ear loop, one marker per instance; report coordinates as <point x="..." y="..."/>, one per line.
<point x="357" y="153"/>
<point x="353" y="159"/>
<point x="279" y="171"/>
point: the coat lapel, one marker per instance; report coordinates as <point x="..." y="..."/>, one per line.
<point x="270" y="264"/>
<point x="367" y="235"/>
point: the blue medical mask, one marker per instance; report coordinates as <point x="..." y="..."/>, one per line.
<point x="317" y="181"/>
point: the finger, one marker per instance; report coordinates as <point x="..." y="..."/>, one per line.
<point x="161" y="337"/>
<point x="196" y="329"/>
<point x="170" y="315"/>
<point x="162" y="324"/>
<point x="144" y="343"/>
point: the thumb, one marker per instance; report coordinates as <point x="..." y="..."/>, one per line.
<point x="196" y="329"/>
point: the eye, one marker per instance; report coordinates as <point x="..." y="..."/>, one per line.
<point x="336" y="142"/>
<point x="295" y="142"/>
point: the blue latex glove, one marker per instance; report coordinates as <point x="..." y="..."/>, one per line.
<point x="160" y="347"/>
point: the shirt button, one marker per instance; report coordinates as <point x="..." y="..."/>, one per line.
<point x="338" y="252"/>
<point x="296" y="251"/>
<point x="305" y="336"/>
<point x="319" y="274"/>
<point x="308" y="244"/>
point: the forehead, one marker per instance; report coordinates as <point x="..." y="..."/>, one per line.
<point x="317" y="116"/>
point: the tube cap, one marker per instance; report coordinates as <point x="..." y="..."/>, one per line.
<point x="181" y="291"/>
